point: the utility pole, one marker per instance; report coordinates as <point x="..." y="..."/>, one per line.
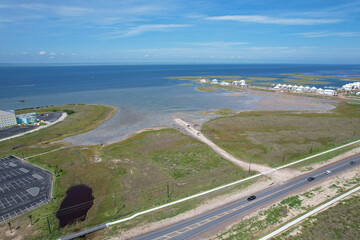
<point x="48" y="222"/>
<point x="250" y="165"/>
<point x="9" y="223"/>
<point x="284" y="157"/>
<point x="354" y="134"/>
<point x="30" y="218"/>
<point x="115" y="203"/>
<point x="168" y="190"/>
<point x="311" y="149"/>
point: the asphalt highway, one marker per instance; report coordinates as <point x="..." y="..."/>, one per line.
<point x="190" y="228"/>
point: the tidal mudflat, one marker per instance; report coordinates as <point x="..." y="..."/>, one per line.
<point x="166" y="103"/>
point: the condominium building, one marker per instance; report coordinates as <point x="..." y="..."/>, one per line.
<point x="7" y="119"/>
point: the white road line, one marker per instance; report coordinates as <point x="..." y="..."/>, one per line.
<point x="2" y="204"/>
<point x="17" y="184"/>
<point x="19" y="197"/>
<point x="13" y="199"/>
<point x="8" y="201"/>
<point x="273" y="234"/>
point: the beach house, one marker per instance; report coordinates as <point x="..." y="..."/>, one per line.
<point x="313" y="89"/>
<point x="224" y="83"/>
<point x="306" y="89"/>
<point x="203" y="81"/>
<point x="320" y="90"/>
<point x="329" y="92"/>
<point x="214" y="81"/>
<point x="242" y="83"/>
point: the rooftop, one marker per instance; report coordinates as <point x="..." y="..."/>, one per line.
<point x="3" y="113"/>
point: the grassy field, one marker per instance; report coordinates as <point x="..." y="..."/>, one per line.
<point x="146" y="170"/>
<point x="224" y="111"/>
<point x="84" y="118"/>
<point x="278" y="137"/>
<point x="338" y="222"/>
<point x="305" y="81"/>
<point x="321" y="77"/>
<point x="206" y="89"/>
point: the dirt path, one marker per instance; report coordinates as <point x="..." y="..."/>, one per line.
<point x="197" y="135"/>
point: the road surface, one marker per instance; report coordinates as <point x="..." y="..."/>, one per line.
<point x="191" y="228"/>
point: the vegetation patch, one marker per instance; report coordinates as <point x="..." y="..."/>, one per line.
<point x="338" y="222"/>
<point x="278" y="137"/>
<point x="206" y="89"/>
<point x="224" y="111"/>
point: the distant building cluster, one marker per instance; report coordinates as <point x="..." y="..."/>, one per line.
<point x="214" y="81"/>
<point x="8" y="119"/>
<point x="301" y="89"/>
<point x="352" y="87"/>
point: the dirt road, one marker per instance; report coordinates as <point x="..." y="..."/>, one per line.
<point x="245" y="165"/>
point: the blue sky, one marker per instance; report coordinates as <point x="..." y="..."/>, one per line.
<point x="139" y="31"/>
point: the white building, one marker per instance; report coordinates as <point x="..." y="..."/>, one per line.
<point x="351" y="86"/>
<point x="284" y="86"/>
<point x="214" y="81"/>
<point x="313" y="89"/>
<point x="299" y="90"/>
<point x="242" y="83"/>
<point x="306" y="89"/>
<point x="203" y="81"/>
<point x="235" y="83"/>
<point x="320" y="90"/>
<point x="7" y="119"/>
<point x="329" y="92"/>
<point x="224" y="83"/>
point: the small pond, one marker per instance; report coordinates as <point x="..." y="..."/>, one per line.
<point x="78" y="201"/>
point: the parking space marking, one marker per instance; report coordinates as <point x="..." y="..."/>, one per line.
<point x="2" y="204"/>
<point x="7" y="201"/>
<point x="13" y="199"/>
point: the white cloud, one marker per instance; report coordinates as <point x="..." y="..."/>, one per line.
<point x="25" y="53"/>
<point x="327" y="34"/>
<point x="148" y="28"/>
<point x="220" y="44"/>
<point x="273" y="20"/>
<point x="42" y="53"/>
<point x="52" y="54"/>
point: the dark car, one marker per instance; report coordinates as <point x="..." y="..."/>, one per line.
<point x="311" y="179"/>
<point x="251" y="198"/>
<point x="352" y="162"/>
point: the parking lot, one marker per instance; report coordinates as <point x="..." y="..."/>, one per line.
<point x="11" y="131"/>
<point x="23" y="187"/>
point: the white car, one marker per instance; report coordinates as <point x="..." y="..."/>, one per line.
<point x="327" y="172"/>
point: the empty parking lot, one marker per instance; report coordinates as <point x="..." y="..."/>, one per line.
<point x="23" y="187"/>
